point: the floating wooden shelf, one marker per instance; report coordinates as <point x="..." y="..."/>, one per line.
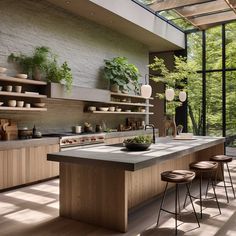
<point x="122" y="112"/>
<point x="15" y="94"/>
<point x="22" y="109"/>
<point x="130" y="104"/>
<point x="21" y="81"/>
<point x="129" y="95"/>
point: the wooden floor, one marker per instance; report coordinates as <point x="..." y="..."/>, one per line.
<point x="33" y="211"/>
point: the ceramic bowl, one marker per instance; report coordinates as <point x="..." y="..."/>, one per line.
<point x="103" y="108"/>
<point x="91" y="108"/>
<point x="3" y="69"/>
<point x="9" y="88"/>
<point x="118" y="109"/>
<point x="18" y="88"/>
<point x="137" y="146"/>
<point x="39" y="104"/>
<point x="11" y="103"/>
<point x="19" y="103"/>
<point x="1" y="103"/>
<point x="112" y="109"/>
<point x="22" y="76"/>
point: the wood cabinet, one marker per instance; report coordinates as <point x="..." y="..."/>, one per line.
<point x="32" y="92"/>
<point x="26" y="165"/>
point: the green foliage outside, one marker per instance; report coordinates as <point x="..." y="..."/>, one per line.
<point x="213" y="82"/>
<point x="175" y="79"/>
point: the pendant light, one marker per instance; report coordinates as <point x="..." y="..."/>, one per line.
<point x="146" y="89"/>
<point x="182" y="96"/>
<point x="170" y="94"/>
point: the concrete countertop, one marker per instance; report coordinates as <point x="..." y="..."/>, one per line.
<point x="117" y="156"/>
<point x="14" y="144"/>
<point x="128" y="133"/>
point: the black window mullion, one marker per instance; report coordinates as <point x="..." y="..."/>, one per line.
<point x="223" y="82"/>
<point x="204" y="82"/>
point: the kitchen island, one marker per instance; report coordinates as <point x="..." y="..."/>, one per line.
<point x="99" y="184"/>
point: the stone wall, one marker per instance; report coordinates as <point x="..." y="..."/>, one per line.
<point x="83" y="44"/>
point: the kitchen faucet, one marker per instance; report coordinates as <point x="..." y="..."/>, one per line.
<point x="153" y="131"/>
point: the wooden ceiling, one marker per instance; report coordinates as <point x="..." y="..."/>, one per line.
<point x="201" y="14"/>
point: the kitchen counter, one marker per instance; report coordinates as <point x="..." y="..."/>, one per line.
<point x="117" y="156"/>
<point x="100" y="184"/>
<point x="21" y="143"/>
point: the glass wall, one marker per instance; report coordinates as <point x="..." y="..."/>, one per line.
<point x="212" y="98"/>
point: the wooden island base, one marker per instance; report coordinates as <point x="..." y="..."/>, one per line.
<point x="103" y="195"/>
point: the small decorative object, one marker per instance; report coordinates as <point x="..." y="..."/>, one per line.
<point x="118" y="109"/>
<point x="22" y="76"/>
<point x="19" y="103"/>
<point x="9" y="88"/>
<point x="179" y="129"/>
<point x="91" y="108"/>
<point x="138" y="143"/>
<point x="18" y="88"/>
<point x="11" y="103"/>
<point x="122" y="74"/>
<point x="170" y="126"/>
<point x="98" y="129"/>
<point x="146" y="89"/>
<point x="1" y="103"/>
<point x="112" y="109"/>
<point x="103" y="108"/>
<point x="0" y="88"/>
<point x="39" y="104"/>
<point x="88" y="127"/>
<point x="27" y="105"/>
<point x="78" y="129"/>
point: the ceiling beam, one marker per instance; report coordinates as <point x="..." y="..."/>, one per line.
<point x="206" y="8"/>
<point x="173" y="4"/>
<point x="230" y="5"/>
<point x="214" y="18"/>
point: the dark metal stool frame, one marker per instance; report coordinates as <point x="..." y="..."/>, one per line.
<point x="221" y="163"/>
<point x="177" y="202"/>
<point x="201" y="171"/>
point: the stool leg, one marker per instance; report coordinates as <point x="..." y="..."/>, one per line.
<point x="185" y="200"/>
<point x="188" y="192"/>
<point x="208" y="182"/>
<point x="230" y="179"/>
<point x="215" y="196"/>
<point x="200" y="190"/>
<point x="162" y="201"/>
<point x="222" y="171"/>
<point x="176" y="207"/>
<point x="178" y="201"/>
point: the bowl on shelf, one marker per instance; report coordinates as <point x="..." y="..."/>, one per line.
<point x="39" y="104"/>
<point x="1" y="103"/>
<point x="103" y="108"/>
<point x="9" y="88"/>
<point x="20" y="103"/>
<point x="112" y="109"/>
<point x="118" y="109"/>
<point x="22" y="76"/>
<point x="3" y="69"/>
<point x="137" y="146"/>
<point x="91" y="108"/>
<point x="18" y="88"/>
<point x="11" y="103"/>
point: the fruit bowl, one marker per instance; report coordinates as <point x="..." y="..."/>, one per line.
<point x="137" y="146"/>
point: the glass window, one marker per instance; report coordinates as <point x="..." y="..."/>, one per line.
<point x="195" y="105"/>
<point x="194" y="48"/>
<point x="214" y="48"/>
<point x="230" y="47"/>
<point x="214" y="104"/>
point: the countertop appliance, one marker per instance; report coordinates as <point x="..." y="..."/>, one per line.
<point x="72" y="140"/>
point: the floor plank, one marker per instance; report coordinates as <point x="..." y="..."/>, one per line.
<point x="33" y="211"/>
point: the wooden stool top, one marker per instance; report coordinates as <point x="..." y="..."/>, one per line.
<point x="178" y="176"/>
<point x="203" y="165"/>
<point x="221" y="158"/>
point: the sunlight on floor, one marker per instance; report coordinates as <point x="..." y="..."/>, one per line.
<point x="28" y="216"/>
<point x="54" y="205"/>
<point x="30" y="197"/>
<point x="46" y="188"/>
<point x="6" y="207"/>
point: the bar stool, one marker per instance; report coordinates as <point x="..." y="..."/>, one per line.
<point x="177" y="177"/>
<point x="200" y="168"/>
<point x="223" y="159"/>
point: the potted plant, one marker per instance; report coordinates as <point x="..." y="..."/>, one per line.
<point x="121" y="74"/>
<point x="177" y="80"/>
<point x="43" y="65"/>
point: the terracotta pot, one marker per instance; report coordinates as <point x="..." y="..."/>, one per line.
<point x="37" y="75"/>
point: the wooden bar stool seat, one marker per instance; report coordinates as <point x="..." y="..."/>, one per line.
<point x="201" y="167"/>
<point x="223" y="159"/>
<point x="177" y="177"/>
